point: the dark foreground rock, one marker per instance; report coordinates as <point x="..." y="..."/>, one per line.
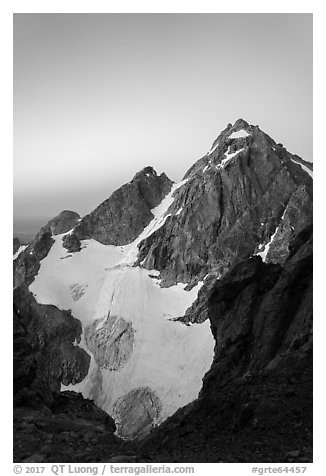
<point x="70" y="429"/>
<point x="46" y="351"/>
<point x="256" y="400"/>
<point x="50" y="426"/>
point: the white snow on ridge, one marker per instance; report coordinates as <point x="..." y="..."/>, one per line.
<point x="306" y="169"/>
<point x="168" y="357"/>
<point x="238" y="134"/>
<point x="131" y="250"/>
<point x="229" y="156"/>
<point x="212" y="150"/>
<point x="20" y="249"/>
<point x="265" y="251"/>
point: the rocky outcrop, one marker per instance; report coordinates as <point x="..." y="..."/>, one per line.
<point x="46" y="351"/>
<point x="27" y="264"/>
<point x="124" y="215"/>
<point x="136" y="413"/>
<point x="112" y="343"/>
<point x="65" y="221"/>
<point x="260" y="312"/>
<point x="256" y="400"/>
<point x="70" y="429"/>
<point x="16" y="244"/>
<point x="233" y="201"/>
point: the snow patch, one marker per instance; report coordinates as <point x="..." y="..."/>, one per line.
<point x="179" y="211"/>
<point x="229" y="156"/>
<point x="212" y="150"/>
<point x="306" y="169"/>
<point x="238" y="134"/>
<point x="266" y="247"/>
<point x="131" y="250"/>
<point x="20" y="249"/>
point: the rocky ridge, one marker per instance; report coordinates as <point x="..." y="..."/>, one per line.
<point x="124" y="215"/>
<point x="27" y="264"/>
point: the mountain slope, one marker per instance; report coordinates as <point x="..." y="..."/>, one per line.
<point x="256" y="400"/>
<point x="137" y="271"/>
<point x="234" y="200"/>
<point x="123" y="216"/>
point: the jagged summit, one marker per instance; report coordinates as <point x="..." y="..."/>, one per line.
<point x="148" y="171"/>
<point x="121" y="218"/>
<point x="247" y="195"/>
<point x="240" y="140"/>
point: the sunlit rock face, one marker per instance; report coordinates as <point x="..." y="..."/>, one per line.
<point x="111" y="343"/>
<point x="135" y="413"/>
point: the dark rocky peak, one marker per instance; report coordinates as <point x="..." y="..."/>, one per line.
<point x="152" y="187"/>
<point x="236" y="199"/>
<point x="148" y="172"/>
<point x="63" y="222"/>
<point x="123" y="216"/>
<point x="240" y="140"/>
<point x="27" y="264"/>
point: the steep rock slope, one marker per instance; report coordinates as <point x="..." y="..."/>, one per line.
<point x="123" y="216"/>
<point x="50" y="426"/>
<point x="244" y="192"/>
<point x="27" y="261"/>
<point x="46" y="351"/>
<point x="256" y="401"/>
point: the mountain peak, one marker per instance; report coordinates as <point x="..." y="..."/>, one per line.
<point x="148" y="171"/>
<point x="239" y="123"/>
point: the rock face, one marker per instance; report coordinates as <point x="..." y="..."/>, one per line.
<point x="135" y="412"/>
<point x="123" y="216"/>
<point x="27" y="264"/>
<point x="63" y="222"/>
<point x="45" y="353"/>
<point x="260" y="312"/>
<point x="112" y="343"/>
<point x="256" y="401"/>
<point x="233" y="201"/>
<point x="49" y="425"/>
<point x="16" y="245"/>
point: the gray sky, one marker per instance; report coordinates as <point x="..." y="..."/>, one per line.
<point x="97" y="97"/>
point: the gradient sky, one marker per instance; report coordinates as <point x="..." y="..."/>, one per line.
<point x="97" y="97"/>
